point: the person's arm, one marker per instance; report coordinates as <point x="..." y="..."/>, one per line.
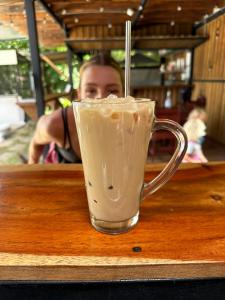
<point x="202" y="157"/>
<point x="187" y="158"/>
<point x="49" y="129"/>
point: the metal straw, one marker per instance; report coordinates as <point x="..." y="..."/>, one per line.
<point x="127" y="58"/>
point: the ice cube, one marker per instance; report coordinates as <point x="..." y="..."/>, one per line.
<point x="112" y="96"/>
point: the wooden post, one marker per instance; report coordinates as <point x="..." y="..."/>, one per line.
<point x="35" y="57"/>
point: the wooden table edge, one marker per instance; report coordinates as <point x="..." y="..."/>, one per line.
<point x="78" y="167"/>
<point x="81" y="268"/>
<point x="113" y="273"/>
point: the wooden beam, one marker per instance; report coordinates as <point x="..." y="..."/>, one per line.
<point x="51" y="13"/>
<point x="82" y="12"/>
<point x="59" y="6"/>
<point x="139" y="12"/>
<point x="143" y="42"/>
<point x="35" y="58"/>
<point x="53" y="66"/>
<point x="210" y="18"/>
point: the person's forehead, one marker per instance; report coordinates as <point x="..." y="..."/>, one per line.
<point x="100" y="74"/>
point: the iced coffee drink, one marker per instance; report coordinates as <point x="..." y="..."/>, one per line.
<point x="114" y="135"/>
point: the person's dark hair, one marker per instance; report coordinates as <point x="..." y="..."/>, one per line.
<point x="102" y="59"/>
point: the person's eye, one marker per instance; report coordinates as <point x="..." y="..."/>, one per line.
<point x="90" y="92"/>
<point x="113" y="91"/>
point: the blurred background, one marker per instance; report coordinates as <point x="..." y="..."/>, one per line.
<point x="178" y="55"/>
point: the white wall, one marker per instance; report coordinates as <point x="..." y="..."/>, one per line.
<point x="10" y="113"/>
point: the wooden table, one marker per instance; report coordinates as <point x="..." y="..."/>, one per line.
<point x="45" y="234"/>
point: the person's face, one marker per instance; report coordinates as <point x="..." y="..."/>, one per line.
<point x="99" y="82"/>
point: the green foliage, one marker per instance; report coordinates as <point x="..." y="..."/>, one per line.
<point x="17" y="79"/>
<point x="54" y="49"/>
<point x="86" y="57"/>
<point x="152" y="54"/>
<point x="119" y="55"/>
<point x="64" y="101"/>
<point x="53" y="82"/>
<point x="14" y="44"/>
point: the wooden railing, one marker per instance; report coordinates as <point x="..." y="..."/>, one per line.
<point x="51" y="100"/>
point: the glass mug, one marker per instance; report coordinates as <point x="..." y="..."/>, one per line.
<point x="114" y="137"/>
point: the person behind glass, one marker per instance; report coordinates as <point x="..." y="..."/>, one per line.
<point x="99" y="77"/>
<point x="196" y="130"/>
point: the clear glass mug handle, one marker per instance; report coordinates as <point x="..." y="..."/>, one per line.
<point x="181" y="148"/>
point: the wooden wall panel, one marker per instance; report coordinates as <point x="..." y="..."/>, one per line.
<point x="210" y="56"/>
<point x="209" y="76"/>
<point x="215" y="95"/>
<point x="80" y="32"/>
<point x="158" y="93"/>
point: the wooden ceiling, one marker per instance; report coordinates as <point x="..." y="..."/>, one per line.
<point x="94" y="24"/>
<point x="12" y="14"/>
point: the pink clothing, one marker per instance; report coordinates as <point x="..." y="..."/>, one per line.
<point x="194" y="149"/>
<point x="52" y="156"/>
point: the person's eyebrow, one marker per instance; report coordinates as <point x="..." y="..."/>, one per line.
<point x="107" y="85"/>
<point x="91" y="84"/>
<point x="112" y="84"/>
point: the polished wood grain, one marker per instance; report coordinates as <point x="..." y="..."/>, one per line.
<point x="45" y="233"/>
